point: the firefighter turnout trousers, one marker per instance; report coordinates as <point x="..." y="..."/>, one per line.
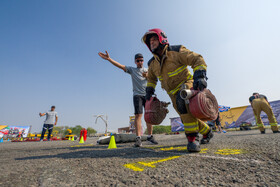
<point x="191" y="124"/>
<point x="259" y="105"/>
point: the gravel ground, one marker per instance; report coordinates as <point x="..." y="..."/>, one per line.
<point x="241" y="158"/>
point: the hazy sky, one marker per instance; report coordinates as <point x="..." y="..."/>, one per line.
<point x="48" y="54"/>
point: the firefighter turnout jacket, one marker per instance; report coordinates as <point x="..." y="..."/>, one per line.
<point x="172" y="71"/>
<point x="260" y="104"/>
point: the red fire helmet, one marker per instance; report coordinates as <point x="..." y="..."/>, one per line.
<point x="161" y="36"/>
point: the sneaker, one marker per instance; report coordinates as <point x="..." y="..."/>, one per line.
<point x="152" y="140"/>
<point x="206" y="138"/>
<point x="138" y="142"/>
<point x="276" y="131"/>
<point x="41" y="140"/>
<point x="263" y="132"/>
<point x="224" y="131"/>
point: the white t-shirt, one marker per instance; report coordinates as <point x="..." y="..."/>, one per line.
<point x="50" y="117"/>
<point x="139" y="83"/>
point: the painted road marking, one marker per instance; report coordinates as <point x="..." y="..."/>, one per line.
<point x="181" y="149"/>
<point x="220" y="151"/>
<point x="134" y="167"/>
<point x="88" y="145"/>
<point x="139" y="165"/>
<point x="230" y="151"/>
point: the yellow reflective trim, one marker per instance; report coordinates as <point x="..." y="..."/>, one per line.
<point x="177" y="71"/>
<point x="191" y="124"/>
<point x="190" y="127"/>
<point x="273" y="124"/>
<point x="259" y="124"/>
<point x="189" y="76"/>
<point x="176" y="89"/>
<point x="151" y="85"/>
<point x="200" y="67"/>
<point x="204" y="130"/>
<point x="191" y="130"/>
<point x="160" y="78"/>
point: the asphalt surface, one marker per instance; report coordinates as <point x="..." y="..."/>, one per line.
<point x="241" y="158"/>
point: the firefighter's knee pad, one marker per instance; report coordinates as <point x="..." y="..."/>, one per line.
<point x="181" y="105"/>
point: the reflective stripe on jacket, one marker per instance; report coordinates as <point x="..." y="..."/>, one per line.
<point x="172" y="69"/>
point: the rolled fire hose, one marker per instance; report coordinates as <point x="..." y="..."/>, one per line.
<point x="202" y="104"/>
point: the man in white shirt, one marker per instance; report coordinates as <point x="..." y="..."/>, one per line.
<point x="51" y="120"/>
<point x="139" y="83"/>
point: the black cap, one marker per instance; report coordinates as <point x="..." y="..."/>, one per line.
<point x="138" y="55"/>
<point x="53" y="106"/>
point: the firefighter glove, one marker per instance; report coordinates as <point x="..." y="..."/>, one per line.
<point x="200" y="80"/>
<point x="149" y="93"/>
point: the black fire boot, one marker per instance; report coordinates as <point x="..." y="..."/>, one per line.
<point x="206" y="138"/>
<point x="193" y="143"/>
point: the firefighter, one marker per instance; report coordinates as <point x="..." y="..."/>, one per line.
<point x="259" y="103"/>
<point x="169" y="65"/>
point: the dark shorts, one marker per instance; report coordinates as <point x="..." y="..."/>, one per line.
<point x="139" y="103"/>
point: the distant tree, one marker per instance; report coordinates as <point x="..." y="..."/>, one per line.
<point x="76" y="130"/>
<point x="65" y="132"/>
<point x="91" y="131"/>
<point x="58" y="129"/>
<point x="161" y="129"/>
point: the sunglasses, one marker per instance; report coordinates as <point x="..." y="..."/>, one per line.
<point x="139" y="60"/>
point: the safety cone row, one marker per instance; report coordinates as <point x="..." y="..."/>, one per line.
<point x="82" y="140"/>
<point x="112" y="144"/>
